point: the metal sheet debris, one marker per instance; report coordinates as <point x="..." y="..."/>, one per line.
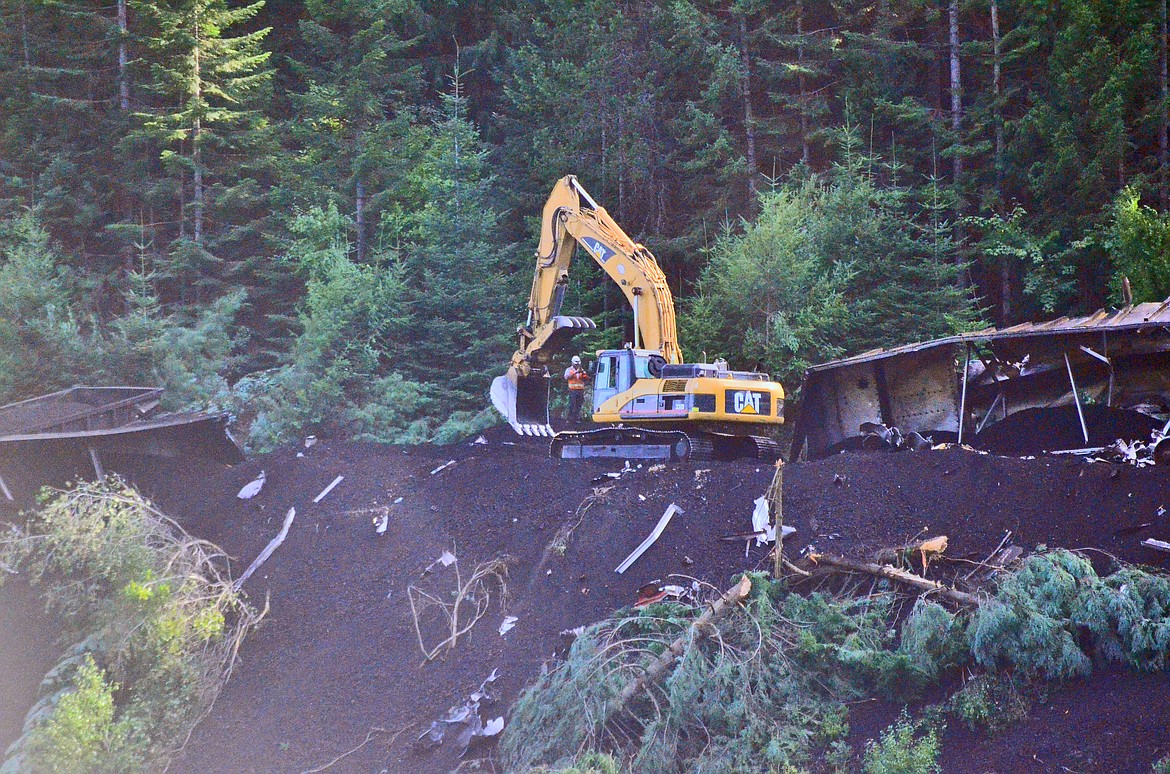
<point x="955" y="387"/>
<point x="509" y="622"/>
<point x="443" y="467"/>
<point x="328" y="489"/>
<point x="671" y="510"/>
<point x="464" y="721"/>
<point x="252" y="488"/>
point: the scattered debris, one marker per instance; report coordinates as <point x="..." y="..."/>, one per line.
<point x="381" y="522"/>
<point x="310" y="441"/>
<point x="328" y="489"/>
<point x="509" y="622"/>
<point x="878" y="435"/>
<point x="656" y="468"/>
<point x="649" y="541"/>
<point x="446" y="559"/>
<point x="480" y="441"/>
<point x="460" y="608"/>
<point x="268" y="549"/>
<point x="762" y="523"/>
<point x="763" y="530"/>
<point x="656" y="591"/>
<point x="924" y="550"/>
<point x="252" y="488"/>
<point x="1157" y="545"/>
<point x="1133" y="529"/>
<point x="442" y="467"/>
<point x="466" y="718"/>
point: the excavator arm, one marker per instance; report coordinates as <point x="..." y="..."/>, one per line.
<point x="571" y="218"/>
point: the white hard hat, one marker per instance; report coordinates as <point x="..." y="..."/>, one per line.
<point x="576" y="360"/>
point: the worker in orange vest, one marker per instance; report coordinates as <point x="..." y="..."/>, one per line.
<point x="576" y="377"/>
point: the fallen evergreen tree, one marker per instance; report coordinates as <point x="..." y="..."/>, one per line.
<point x="766" y="687"/>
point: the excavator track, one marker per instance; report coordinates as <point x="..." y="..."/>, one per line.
<point x="621" y="442"/>
<point x="644" y="444"/>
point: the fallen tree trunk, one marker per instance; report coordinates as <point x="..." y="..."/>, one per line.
<point x="659" y="667"/>
<point x="902" y="576"/>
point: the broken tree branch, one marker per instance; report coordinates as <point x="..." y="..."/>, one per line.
<point x="902" y="576"/>
<point x="660" y="665"/>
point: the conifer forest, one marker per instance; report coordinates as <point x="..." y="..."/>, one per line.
<point x="320" y="215"/>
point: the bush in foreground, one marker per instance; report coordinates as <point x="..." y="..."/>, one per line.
<point x="156" y="621"/>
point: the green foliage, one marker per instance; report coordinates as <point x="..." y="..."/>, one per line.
<point x="932" y="639"/>
<point x="905" y="748"/>
<point x="1029" y="624"/>
<point x="768" y="690"/>
<point x="768" y="686"/>
<point x="990" y="702"/>
<point x="1161" y="766"/>
<point x="44" y="346"/>
<point x="157" y="620"/>
<point x="81" y="735"/>
<point x="768" y="297"/>
<point x="1138" y="240"/>
<point x="829" y="266"/>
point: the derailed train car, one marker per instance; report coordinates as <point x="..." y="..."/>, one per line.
<point x="1071" y="383"/>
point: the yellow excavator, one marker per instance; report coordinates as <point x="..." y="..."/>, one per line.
<point x="650" y="404"/>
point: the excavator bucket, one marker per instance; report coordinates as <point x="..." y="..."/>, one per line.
<point x="523" y="400"/>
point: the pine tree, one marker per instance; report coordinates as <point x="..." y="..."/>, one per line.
<point x="463" y="285"/>
<point x="209" y="87"/>
<point x="353" y="116"/>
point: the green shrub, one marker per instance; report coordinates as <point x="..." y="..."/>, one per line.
<point x="990" y="702"/>
<point x="81" y="735"/>
<point x="905" y="748"/>
<point x="931" y="639"/>
<point x="1161" y="766"/>
<point x="151" y="607"/>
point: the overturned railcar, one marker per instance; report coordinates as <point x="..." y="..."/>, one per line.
<point x="66" y="434"/>
<point x="1080" y="380"/>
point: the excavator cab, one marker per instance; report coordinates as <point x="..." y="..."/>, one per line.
<point x="616" y="370"/>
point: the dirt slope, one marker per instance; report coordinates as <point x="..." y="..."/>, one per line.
<point x="338" y="654"/>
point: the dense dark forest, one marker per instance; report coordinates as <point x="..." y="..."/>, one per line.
<point x="321" y="213"/>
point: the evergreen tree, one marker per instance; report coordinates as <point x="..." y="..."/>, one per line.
<point x="209" y="87"/>
<point x="462" y="283"/>
<point x="352" y="119"/>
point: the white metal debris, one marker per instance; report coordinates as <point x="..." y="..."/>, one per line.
<point x="328" y="489"/>
<point x="649" y="541"/>
<point x="509" y="622"/>
<point x="252" y="488"/>
<point x="444" y="466"/>
<point x="268" y="549"/>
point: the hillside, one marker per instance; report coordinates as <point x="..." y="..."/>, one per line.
<point x="338" y="656"/>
